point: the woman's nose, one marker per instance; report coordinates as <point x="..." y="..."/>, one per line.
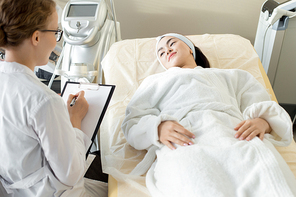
<point x="169" y="50"/>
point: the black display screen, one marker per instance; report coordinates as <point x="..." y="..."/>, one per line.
<point x="82" y="10"/>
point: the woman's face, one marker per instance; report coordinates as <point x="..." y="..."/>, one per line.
<point x="48" y="39"/>
<point x="173" y="52"/>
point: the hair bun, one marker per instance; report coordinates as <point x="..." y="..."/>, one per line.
<point x="3" y="39"/>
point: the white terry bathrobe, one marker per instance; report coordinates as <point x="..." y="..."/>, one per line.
<point x="209" y="103"/>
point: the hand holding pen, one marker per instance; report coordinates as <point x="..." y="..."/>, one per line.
<point x="73" y="101"/>
<point x="77" y="107"/>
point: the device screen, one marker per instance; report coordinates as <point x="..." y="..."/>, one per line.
<point x="84" y="10"/>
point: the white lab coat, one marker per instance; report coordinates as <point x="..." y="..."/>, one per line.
<point x="41" y="154"/>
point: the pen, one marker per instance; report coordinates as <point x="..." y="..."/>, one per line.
<point x="73" y="102"/>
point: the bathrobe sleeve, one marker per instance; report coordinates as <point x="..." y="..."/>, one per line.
<point x="255" y="102"/>
<point x="64" y="147"/>
<point x="143" y="115"/>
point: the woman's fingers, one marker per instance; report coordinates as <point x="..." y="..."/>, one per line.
<point x="239" y="125"/>
<point x="241" y="128"/>
<point x="70" y="97"/>
<point x="251" y="135"/>
<point x="172" y="132"/>
<point x="80" y="95"/>
<point x="176" y="138"/>
<point x="245" y="133"/>
<point x="244" y="129"/>
<point x="180" y="139"/>
<point x="248" y="129"/>
<point x="181" y="135"/>
<point x="169" y="144"/>
<point x="261" y="136"/>
<point x="180" y="129"/>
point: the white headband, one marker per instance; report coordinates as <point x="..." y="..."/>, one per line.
<point x="181" y="37"/>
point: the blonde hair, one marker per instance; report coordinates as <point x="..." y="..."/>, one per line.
<point x="19" y="19"/>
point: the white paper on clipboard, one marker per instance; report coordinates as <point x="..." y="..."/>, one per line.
<point x="98" y="98"/>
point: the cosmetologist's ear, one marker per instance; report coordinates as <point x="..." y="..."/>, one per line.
<point x="35" y="38"/>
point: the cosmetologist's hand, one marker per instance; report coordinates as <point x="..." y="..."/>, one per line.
<point x="248" y="129"/>
<point x="78" y="111"/>
<point x="172" y="132"/>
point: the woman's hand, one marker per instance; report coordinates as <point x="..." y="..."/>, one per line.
<point x="78" y="111"/>
<point x="172" y="132"/>
<point x="248" y="129"/>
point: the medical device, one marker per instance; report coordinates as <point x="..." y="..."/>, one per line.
<point x="275" y="44"/>
<point x="90" y="28"/>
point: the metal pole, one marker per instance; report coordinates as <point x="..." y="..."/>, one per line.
<point x="114" y="17"/>
<point x="57" y="66"/>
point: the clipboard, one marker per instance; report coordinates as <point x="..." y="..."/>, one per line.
<point x="98" y="97"/>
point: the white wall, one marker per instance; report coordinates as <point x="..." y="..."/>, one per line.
<point x="150" y="18"/>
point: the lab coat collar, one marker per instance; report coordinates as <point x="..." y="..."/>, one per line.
<point x="13" y="67"/>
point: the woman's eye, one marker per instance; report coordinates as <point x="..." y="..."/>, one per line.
<point x="172" y="44"/>
<point x="161" y="54"/>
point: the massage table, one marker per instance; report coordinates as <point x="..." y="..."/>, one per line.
<point x="126" y="65"/>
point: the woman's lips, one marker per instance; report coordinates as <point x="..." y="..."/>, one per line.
<point x="171" y="55"/>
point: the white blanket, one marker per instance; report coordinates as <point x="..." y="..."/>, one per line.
<point x="209" y="103"/>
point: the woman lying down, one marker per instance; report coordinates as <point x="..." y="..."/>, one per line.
<point x="209" y="129"/>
